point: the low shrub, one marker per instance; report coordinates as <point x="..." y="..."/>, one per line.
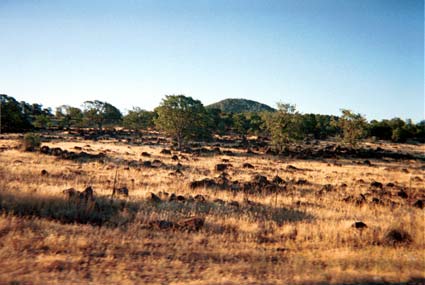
<point x="31" y="142"/>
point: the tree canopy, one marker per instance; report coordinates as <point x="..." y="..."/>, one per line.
<point x="183" y="118"/>
<point x="101" y="113"/>
<point x="137" y="119"/>
<point x="284" y="126"/>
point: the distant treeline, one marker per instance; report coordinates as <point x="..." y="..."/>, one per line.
<point x="22" y="117"/>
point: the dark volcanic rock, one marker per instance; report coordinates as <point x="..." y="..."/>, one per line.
<point x="247" y="165"/>
<point x="376" y="184"/>
<point x="165" y="151"/>
<point x="206" y="183"/>
<point x="221" y="167"/>
<point x="359" y="225"/>
<point x="419" y="204"/>
<point x="154" y="198"/>
<point x="277" y="180"/>
<point x="402" y="194"/>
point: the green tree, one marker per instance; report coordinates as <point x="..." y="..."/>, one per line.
<point x="380" y="130"/>
<point x="241" y="125"/>
<point x="137" y="119"/>
<point x="353" y="126"/>
<point x="42" y="121"/>
<point x="183" y="118"/>
<point x="220" y="121"/>
<point x="68" y="116"/>
<point x="256" y="123"/>
<point x="13" y="119"/>
<point x="284" y="126"/>
<point x="100" y="113"/>
<point x="420" y="131"/>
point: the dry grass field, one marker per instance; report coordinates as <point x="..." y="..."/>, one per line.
<point x="245" y="228"/>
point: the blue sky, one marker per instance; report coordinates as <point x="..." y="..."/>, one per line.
<point x="322" y="55"/>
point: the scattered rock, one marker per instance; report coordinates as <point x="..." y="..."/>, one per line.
<point x="154" y="198"/>
<point x="376" y="184"/>
<point x="204" y="183"/>
<point x="291" y="168"/>
<point x="260" y="180"/>
<point x="228" y="152"/>
<point x="302" y="181"/>
<point x="173" y="197"/>
<point x="44" y="172"/>
<point x="397" y="237"/>
<point x="200" y="198"/>
<point x="163" y="194"/>
<point x="390" y="184"/>
<point x="45" y="149"/>
<point x="248" y="165"/>
<point x="277" y="180"/>
<point x="221" y="167"/>
<point x="327" y="188"/>
<point x="359" y="225"/>
<point x="218" y="201"/>
<point x="165" y="151"/>
<point x="417" y="179"/>
<point x="180" y="198"/>
<point x="56" y="151"/>
<point x="178" y="172"/>
<point x="146" y="154"/>
<point x="175" y="157"/>
<point x="402" y="194"/>
<point x="157" y="163"/>
<point x="419" y="204"/>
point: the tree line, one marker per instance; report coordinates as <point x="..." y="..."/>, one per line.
<point x="185" y="119"/>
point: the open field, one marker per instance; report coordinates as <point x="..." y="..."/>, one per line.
<point x="251" y="228"/>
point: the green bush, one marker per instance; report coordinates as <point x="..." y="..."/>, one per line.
<point x="31" y="142"/>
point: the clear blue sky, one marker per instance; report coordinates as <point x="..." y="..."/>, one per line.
<point x="322" y="55"/>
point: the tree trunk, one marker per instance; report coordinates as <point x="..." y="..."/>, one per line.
<point x="179" y="142"/>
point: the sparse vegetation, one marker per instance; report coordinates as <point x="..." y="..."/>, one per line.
<point x="353" y="127"/>
<point x="284" y="126"/>
<point x="31" y="142"/>
<point x="208" y="214"/>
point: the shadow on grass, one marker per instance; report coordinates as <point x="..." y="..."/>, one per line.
<point x="113" y="213"/>
<point x="256" y="212"/>
<point x="99" y="212"/>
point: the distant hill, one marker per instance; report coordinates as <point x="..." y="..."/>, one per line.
<point x="240" y="106"/>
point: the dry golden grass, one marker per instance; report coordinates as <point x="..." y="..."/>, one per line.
<point x="300" y="236"/>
